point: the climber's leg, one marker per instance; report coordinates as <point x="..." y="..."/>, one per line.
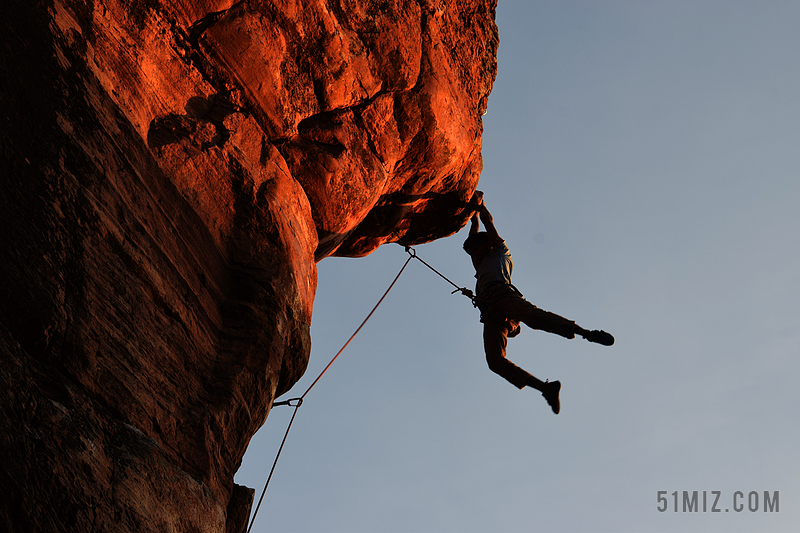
<point x="518" y="308"/>
<point x="495" y="340"/>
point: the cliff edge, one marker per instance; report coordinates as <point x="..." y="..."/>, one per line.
<point x="172" y="171"/>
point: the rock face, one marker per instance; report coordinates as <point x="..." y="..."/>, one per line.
<point x="172" y="172"/>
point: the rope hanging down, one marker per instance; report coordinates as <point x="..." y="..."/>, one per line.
<point x="297" y="402"/>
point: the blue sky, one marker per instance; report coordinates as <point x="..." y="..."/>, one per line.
<point x="641" y="160"/>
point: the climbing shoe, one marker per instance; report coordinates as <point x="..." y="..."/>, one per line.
<point x="600" y="337"/>
<point x="550" y="394"/>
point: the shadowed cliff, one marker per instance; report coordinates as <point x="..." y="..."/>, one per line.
<point x="172" y="172"/>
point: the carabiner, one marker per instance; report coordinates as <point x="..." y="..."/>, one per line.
<point x="289" y="402"/>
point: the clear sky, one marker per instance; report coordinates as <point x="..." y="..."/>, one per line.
<point x="642" y="161"/>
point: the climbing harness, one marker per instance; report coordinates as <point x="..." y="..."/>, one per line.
<point x="297" y="402"/>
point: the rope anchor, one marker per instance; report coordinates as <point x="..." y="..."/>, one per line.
<point x="299" y="402"/>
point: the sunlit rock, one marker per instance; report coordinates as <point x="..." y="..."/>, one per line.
<point x="172" y="172"/>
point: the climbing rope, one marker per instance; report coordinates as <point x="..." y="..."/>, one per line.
<point x="297" y="402"/>
<point x="463" y="290"/>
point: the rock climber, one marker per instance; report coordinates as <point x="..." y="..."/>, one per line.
<point x="503" y="307"/>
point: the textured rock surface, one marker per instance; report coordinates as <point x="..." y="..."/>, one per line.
<point x="172" y="172"/>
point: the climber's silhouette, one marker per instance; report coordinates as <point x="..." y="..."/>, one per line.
<point x="503" y="307"/>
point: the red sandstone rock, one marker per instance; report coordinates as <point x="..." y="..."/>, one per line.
<point x="172" y="171"/>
